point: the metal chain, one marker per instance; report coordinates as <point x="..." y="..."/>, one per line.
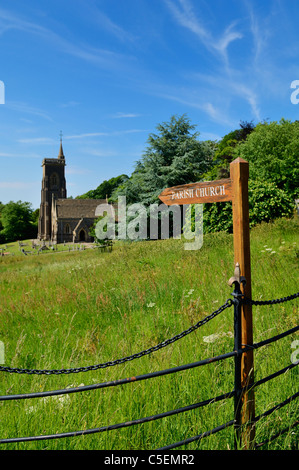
<point x="270" y="302"/>
<point x="161" y="345"/>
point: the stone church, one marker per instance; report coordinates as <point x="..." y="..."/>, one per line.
<point x="61" y="219"/>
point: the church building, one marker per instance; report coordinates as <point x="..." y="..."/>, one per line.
<point x="61" y="219"/>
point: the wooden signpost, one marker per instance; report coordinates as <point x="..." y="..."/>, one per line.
<point x="233" y="189"/>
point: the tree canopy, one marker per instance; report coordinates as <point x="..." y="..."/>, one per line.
<point x="105" y="189"/>
<point x="18" y="221"/>
<point x="272" y="151"/>
<point x="225" y="148"/>
<point x="174" y="155"/>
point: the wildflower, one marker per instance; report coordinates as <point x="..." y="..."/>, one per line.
<point x="151" y="304"/>
<point x="189" y="293"/>
<point x="212" y="338"/>
<point x="30" y="409"/>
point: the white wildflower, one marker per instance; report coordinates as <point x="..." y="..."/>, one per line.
<point x="212" y="338"/>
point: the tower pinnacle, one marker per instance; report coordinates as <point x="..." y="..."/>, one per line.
<point x="61" y="155"/>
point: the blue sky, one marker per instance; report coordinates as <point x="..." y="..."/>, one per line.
<point x="106" y="72"/>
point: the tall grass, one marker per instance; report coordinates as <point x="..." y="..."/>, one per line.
<point x="65" y="310"/>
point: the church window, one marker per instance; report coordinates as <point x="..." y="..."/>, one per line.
<point x="53" y="180"/>
<point x="67" y="229"/>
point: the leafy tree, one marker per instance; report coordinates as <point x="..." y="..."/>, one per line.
<point x="174" y="156"/>
<point x="17" y="221"/>
<point x="272" y="151"/>
<point x="105" y="189"/>
<point x="224" y="153"/>
<point x="35" y="217"/>
<point x="2" y="238"/>
<point x="266" y="203"/>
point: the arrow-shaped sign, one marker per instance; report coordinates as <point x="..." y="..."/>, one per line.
<point x="198" y="193"/>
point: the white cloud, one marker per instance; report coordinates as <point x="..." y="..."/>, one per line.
<point x="120" y="115"/>
<point x="17" y="185"/>
<point x="69" y="104"/>
<point x="72" y="170"/>
<point x="17" y="155"/>
<point x="188" y="19"/>
<point x="103" y="134"/>
<point x="106" y="23"/>
<point x="97" y="56"/>
<point x="28" y="109"/>
<point x="37" y="140"/>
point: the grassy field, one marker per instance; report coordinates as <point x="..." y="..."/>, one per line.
<point x="79" y="308"/>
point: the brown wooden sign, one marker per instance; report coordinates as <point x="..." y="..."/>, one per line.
<point x="198" y="193"/>
<point x="233" y="189"/>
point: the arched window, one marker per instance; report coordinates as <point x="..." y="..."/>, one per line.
<point x="67" y="229"/>
<point x="54" y="180"/>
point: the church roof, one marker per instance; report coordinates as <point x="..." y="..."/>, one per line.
<point x="77" y="208"/>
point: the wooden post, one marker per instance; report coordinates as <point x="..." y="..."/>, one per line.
<point x="239" y="174"/>
<point x="233" y="189"/>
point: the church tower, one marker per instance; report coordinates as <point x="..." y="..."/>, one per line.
<point x="53" y="187"/>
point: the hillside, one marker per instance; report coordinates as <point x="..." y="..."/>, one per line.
<point x="75" y="309"/>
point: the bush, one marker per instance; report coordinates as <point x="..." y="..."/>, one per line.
<point x="17" y="221"/>
<point x="266" y="203"/>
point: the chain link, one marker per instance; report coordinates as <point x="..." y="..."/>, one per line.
<point x="161" y="345"/>
<point x="270" y="302"/>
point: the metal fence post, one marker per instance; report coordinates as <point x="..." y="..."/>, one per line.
<point x="236" y="280"/>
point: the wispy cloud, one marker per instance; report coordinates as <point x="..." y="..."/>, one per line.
<point x="186" y="17"/>
<point x="233" y="83"/>
<point x="69" y="104"/>
<point x="18" y="155"/>
<point x="17" y="185"/>
<point x="216" y="114"/>
<point x="28" y="109"/>
<point x="120" y="115"/>
<point x="72" y="170"/>
<point x="101" y="19"/>
<point x="104" y="134"/>
<point x="97" y="56"/>
<point x="36" y="140"/>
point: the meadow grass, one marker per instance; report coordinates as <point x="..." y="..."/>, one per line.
<point x="80" y="308"/>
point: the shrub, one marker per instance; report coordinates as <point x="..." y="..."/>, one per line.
<point x="266" y="203"/>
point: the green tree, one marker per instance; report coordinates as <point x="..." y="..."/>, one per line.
<point x="173" y="156"/>
<point x="266" y="203"/>
<point x="18" y="221"/>
<point x="2" y="238"/>
<point x="225" y="148"/>
<point x="272" y="151"/>
<point x="105" y="189"/>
